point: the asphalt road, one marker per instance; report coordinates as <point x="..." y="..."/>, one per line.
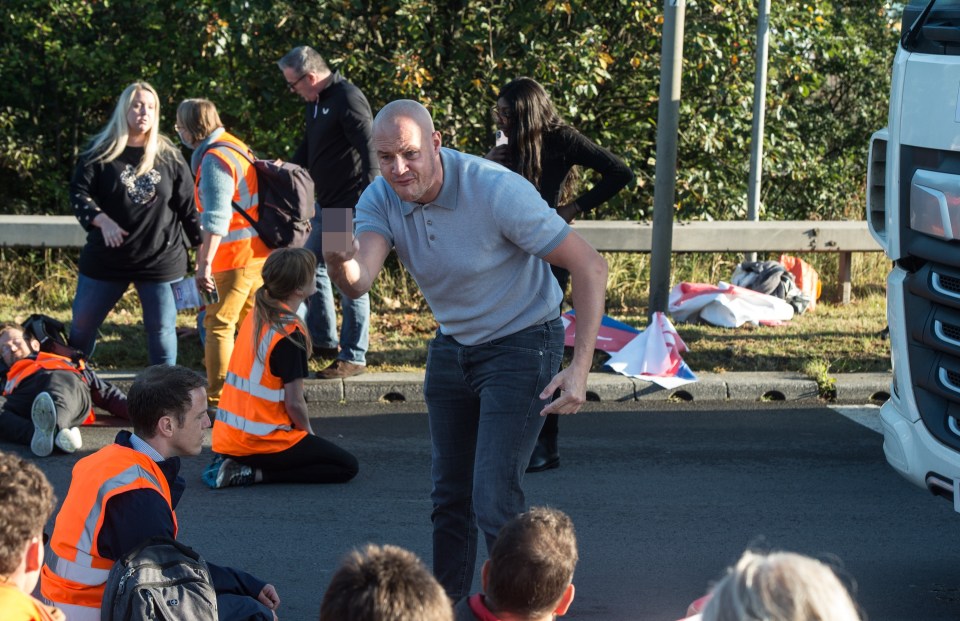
<point x="663" y="501"/>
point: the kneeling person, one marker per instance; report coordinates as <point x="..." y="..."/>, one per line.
<point x="128" y="491"/>
<point x="262" y="425"/>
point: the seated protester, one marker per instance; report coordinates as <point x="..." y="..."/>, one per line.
<point x="47" y="396"/>
<point x="26" y="502"/>
<point x="263" y="428"/>
<point x="780" y="586"/>
<point x="529" y="575"/>
<point x="384" y="584"/>
<point x="128" y="492"/>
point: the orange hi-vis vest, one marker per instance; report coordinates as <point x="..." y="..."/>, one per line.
<point x="242" y="243"/>
<point x="251" y="417"/>
<point x="74" y="572"/>
<point x="25" y="367"/>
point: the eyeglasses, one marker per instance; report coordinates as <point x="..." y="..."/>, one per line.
<point x="503" y="114"/>
<point x="293" y="85"/>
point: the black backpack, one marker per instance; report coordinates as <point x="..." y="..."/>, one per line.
<point x="52" y="335"/>
<point x="161" y="579"/>
<point x="286" y="201"/>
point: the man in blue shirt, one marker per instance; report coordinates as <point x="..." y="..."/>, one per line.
<point x="478" y="239"/>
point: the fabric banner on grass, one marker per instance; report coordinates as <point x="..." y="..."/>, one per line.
<point x="654" y="356"/>
<point x="726" y="305"/>
<point x="612" y="336"/>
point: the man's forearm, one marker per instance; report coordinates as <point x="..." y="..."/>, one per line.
<point x="588" y="293"/>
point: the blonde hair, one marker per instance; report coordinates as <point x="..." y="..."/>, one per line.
<point x="285" y="271"/>
<point x="107" y="145"/>
<point x="199" y="117"/>
<point x="780" y="586"/>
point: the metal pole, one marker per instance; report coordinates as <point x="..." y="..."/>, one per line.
<point x="759" y="109"/>
<point x="665" y="182"/>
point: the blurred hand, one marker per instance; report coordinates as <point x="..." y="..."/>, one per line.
<point x="112" y="233"/>
<point x="500" y="155"/>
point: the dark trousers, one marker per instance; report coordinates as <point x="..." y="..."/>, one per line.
<point x="311" y="460"/>
<point x="70" y="394"/>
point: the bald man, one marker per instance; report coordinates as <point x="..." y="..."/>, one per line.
<point x="478" y="239"/>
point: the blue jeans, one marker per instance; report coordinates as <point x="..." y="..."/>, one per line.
<point x="321" y="315"/>
<point x="96" y="298"/>
<point x="483" y="405"/>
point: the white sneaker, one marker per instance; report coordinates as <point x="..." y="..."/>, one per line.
<point x="69" y="440"/>
<point x="43" y="413"/>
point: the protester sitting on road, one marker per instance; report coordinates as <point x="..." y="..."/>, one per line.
<point x="529" y="575"/>
<point x="384" y="584"/>
<point x="548" y="153"/>
<point x="26" y="502"/>
<point x="47" y="396"/>
<point x="780" y="586"/>
<point x="133" y="194"/>
<point x="128" y="491"/>
<point x="263" y="427"/>
<point x="231" y="255"/>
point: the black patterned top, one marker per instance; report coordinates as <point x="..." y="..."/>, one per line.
<point x="155" y="208"/>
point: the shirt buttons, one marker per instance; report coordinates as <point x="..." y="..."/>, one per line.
<point x="433" y="237"/>
<point x="429" y="222"/>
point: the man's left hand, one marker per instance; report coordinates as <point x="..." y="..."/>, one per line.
<point x="573" y="393"/>
<point x="268" y="597"/>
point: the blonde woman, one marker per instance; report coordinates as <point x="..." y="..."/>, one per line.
<point x="780" y="586"/>
<point x="262" y="429"/>
<point x="133" y="193"/>
<point x="231" y="255"/>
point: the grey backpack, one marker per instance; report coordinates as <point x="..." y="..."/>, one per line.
<point x="162" y="579"/>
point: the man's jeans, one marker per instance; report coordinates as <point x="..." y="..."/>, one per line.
<point x="483" y="404"/>
<point x="322" y="317"/>
<point x="96" y="298"/>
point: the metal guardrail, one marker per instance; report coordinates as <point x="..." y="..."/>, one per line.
<point x="796" y="236"/>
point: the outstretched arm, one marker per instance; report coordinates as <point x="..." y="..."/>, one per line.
<point x="355" y="270"/>
<point x="588" y="271"/>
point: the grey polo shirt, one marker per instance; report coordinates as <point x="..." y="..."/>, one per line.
<point x="477" y="250"/>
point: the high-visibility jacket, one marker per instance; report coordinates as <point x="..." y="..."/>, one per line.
<point x="25" y="367"/>
<point x="74" y="572"/>
<point x="241" y="244"/>
<point x="18" y="606"/>
<point x="251" y="416"/>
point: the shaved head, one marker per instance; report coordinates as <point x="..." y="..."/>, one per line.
<point x="404" y="108"/>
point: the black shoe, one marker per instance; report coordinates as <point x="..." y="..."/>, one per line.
<point x="543" y="458"/>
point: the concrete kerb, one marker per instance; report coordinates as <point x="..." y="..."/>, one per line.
<point x="853" y="388"/>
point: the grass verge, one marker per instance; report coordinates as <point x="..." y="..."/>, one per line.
<point x="832" y="339"/>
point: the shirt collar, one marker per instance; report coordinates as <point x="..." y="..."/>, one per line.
<point x="449" y="190"/>
<point x="142" y="446"/>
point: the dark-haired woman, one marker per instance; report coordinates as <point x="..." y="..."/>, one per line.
<point x="545" y="151"/>
<point x="262" y="429"/>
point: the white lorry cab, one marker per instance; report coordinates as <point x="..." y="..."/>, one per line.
<point x="913" y="210"/>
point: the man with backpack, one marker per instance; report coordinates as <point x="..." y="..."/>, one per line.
<point x="337" y="149"/>
<point x="127" y="492"/>
<point x="48" y="392"/>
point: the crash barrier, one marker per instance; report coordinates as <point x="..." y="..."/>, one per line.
<point x="793" y="236"/>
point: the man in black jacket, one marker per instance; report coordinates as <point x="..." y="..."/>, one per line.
<point x="128" y="492"/>
<point x="337" y="149"/>
<point x="46" y="397"/>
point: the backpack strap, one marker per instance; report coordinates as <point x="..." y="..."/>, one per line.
<point x="250" y="157"/>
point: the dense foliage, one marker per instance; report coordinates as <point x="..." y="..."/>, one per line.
<point x="64" y="62"/>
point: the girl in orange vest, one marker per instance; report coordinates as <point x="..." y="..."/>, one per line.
<point x="262" y="427"/>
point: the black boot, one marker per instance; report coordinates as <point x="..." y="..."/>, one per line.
<point x="545" y="455"/>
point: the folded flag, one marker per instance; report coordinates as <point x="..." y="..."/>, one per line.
<point x="654" y="355"/>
